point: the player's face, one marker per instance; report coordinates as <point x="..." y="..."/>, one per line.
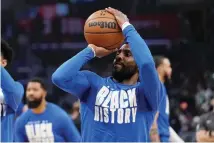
<point x="3" y="61"/>
<point x="35" y="94"/>
<point x="167" y="68"/>
<point x="124" y="66"/>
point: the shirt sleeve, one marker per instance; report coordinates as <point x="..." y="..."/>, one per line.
<point x="70" y="131"/>
<point x="149" y="81"/>
<point x="68" y="76"/>
<point x="19" y="131"/>
<point x="13" y="91"/>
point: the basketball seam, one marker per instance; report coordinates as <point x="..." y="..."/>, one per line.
<point x="102" y="32"/>
<point x="100" y="17"/>
<point x="112" y="45"/>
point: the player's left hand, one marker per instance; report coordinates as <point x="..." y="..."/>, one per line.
<point x="100" y="51"/>
<point x="120" y="17"/>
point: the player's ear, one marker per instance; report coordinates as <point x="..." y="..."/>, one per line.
<point x="45" y="93"/>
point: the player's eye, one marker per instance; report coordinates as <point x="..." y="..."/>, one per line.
<point x="127" y="54"/>
<point x="35" y="89"/>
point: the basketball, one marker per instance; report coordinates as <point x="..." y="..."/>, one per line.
<point x="102" y="30"/>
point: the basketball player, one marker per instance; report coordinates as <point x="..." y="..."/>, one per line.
<point x="44" y="121"/>
<point x="11" y="93"/>
<point x="161" y="130"/>
<point x="117" y="108"/>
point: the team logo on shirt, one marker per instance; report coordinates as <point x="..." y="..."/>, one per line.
<point x="113" y="106"/>
<point x="3" y="106"/>
<point x="39" y="131"/>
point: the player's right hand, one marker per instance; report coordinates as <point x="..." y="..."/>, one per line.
<point x="120" y="17"/>
<point x="100" y="51"/>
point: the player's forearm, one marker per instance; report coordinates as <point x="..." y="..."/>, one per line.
<point x="139" y="48"/>
<point x="74" y="137"/>
<point x="147" y="71"/>
<point x="71" y="133"/>
<point x="70" y="68"/>
<point x="11" y="87"/>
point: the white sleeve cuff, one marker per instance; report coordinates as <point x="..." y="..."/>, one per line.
<point x="93" y="51"/>
<point x="125" y="25"/>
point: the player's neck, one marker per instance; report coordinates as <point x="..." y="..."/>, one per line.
<point x="133" y="80"/>
<point x="162" y="79"/>
<point x="41" y="108"/>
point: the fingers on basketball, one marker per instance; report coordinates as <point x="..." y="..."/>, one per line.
<point x="111" y="10"/>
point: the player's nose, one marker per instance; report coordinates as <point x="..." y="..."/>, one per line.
<point x="119" y="57"/>
<point x="30" y="93"/>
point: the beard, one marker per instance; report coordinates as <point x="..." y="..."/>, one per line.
<point x="124" y="72"/>
<point x="34" y="104"/>
<point x="167" y="81"/>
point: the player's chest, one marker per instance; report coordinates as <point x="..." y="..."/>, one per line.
<point x="108" y="97"/>
<point x="115" y="106"/>
<point x="41" y="131"/>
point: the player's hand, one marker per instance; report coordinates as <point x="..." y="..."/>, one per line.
<point x="100" y="51"/>
<point x="120" y="17"/>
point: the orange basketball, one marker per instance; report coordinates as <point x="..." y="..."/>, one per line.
<point x="102" y="29"/>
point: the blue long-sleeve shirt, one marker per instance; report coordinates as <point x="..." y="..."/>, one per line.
<point x="111" y="111"/>
<point x="11" y="93"/>
<point x="163" y="118"/>
<point x="53" y="125"/>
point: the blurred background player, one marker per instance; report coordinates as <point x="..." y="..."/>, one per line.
<point x="164" y="133"/>
<point x="205" y="128"/>
<point x="44" y="121"/>
<point x="72" y="106"/>
<point x="112" y="109"/>
<point x="11" y="93"/>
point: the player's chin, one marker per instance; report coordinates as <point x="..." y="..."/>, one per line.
<point x="117" y="68"/>
<point x="31" y="99"/>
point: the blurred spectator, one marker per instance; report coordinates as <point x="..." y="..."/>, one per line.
<point x="72" y="106"/>
<point x="205" y="128"/>
<point x="202" y="98"/>
<point x="185" y="117"/>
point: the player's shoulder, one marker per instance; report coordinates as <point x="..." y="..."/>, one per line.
<point x="58" y="110"/>
<point x="23" y="117"/>
<point x="162" y="85"/>
<point x="59" y="113"/>
<point x="20" y="85"/>
<point x="89" y="73"/>
<point x="162" y="88"/>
